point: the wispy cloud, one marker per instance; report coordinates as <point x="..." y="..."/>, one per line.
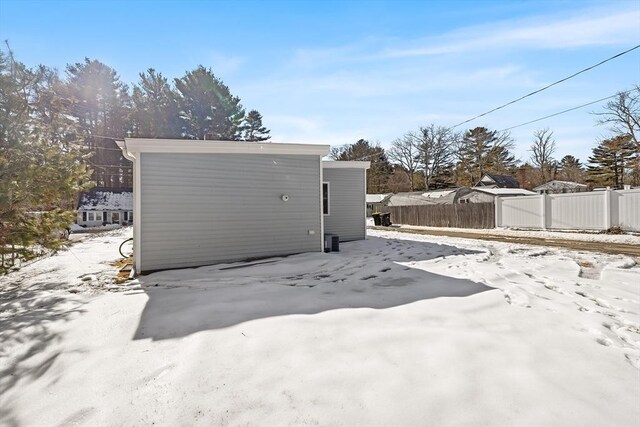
<point x="387" y="81"/>
<point x="381" y="87"/>
<point x="592" y="27"/>
<point x="587" y="29"/>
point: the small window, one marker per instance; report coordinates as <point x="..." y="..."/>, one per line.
<point x="325" y="198"/>
<point x="98" y="216"/>
<point x="126" y="216"/>
<point x="84" y="216"/>
<point x="130" y="216"/>
<point x="90" y="216"/>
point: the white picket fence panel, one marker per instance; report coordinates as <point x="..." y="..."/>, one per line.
<point x="595" y="210"/>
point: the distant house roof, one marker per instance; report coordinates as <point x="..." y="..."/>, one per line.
<point x="559" y="185"/>
<point x="500" y="181"/>
<point x="437" y="197"/>
<point x="505" y="191"/>
<point x="409" y="199"/>
<point x="377" y="198"/>
<point x="100" y="199"/>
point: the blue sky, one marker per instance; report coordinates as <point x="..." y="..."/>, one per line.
<point x="336" y="71"/>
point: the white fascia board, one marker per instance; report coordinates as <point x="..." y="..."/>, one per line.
<point x="125" y="152"/>
<point x="338" y="164"/>
<point x="142" y="145"/>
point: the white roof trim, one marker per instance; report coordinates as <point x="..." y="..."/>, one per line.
<point x="131" y="146"/>
<point x="339" y="164"/>
<point x="504" y="191"/>
<point x="125" y="152"/>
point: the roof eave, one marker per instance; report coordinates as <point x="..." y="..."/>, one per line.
<point x="143" y="145"/>
<point x="343" y="164"/>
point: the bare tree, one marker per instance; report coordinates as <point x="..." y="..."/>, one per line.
<point x="399" y="181"/>
<point x="622" y="114"/>
<point x="436" y="145"/>
<point x="542" y="150"/>
<point x="405" y="152"/>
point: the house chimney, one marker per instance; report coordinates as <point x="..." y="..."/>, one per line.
<point x="522" y="176"/>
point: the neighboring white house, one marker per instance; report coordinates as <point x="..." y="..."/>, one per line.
<point x="105" y="206"/>
<point x="488" y="195"/>
<point x="557" y="187"/>
<point x="206" y="202"/>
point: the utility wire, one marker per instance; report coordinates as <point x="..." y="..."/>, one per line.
<point x="564" y="111"/>
<point x="548" y="86"/>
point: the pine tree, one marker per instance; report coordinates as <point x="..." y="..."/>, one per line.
<point x="610" y="161"/>
<point x="155" y="109"/>
<point x="206" y="107"/>
<point x="252" y="128"/>
<point x="483" y="151"/>
<point x="380" y="170"/>
<point x="500" y="161"/>
<point x="100" y="103"/>
<point x="571" y="169"/>
<point x="41" y="164"/>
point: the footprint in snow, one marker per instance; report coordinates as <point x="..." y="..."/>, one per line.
<point x="369" y="277"/>
<point x="634" y="360"/>
<point x="516" y="299"/>
<point x="384" y="270"/>
<point x="582" y="308"/>
<point x="554" y="288"/>
<point x="604" y="341"/>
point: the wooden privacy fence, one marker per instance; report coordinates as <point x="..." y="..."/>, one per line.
<point x="465" y="215"/>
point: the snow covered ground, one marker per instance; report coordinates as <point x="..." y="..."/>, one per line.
<point x="399" y="329"/>
<point x="592" y="236"/>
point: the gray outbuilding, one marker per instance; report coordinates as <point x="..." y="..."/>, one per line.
<point x="207" y="202"/>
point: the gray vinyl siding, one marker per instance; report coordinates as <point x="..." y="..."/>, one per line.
<point x="346" y="203"/>
<point x="200" y="209"/>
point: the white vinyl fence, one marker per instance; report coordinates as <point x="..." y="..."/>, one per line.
<point x="595" y="210"/>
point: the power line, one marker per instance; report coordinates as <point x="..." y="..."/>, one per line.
<point x="564" y="111"/>
<point x="548" y="86"/>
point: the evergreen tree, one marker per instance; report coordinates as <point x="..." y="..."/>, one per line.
<point x="206" y="107"/>
<point x="483" y="151"/>
<point x="610" y="161"/>
<point x="252" y="128"/>
<point x="100" y="103"/>
<point x="569" y="161"/>
<point x="380" y="170"/>
<point x="41" y="164"/>
<point x="155" y="110"/>
<point x="500" y="161"/>
<point x="571" y="169"/>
